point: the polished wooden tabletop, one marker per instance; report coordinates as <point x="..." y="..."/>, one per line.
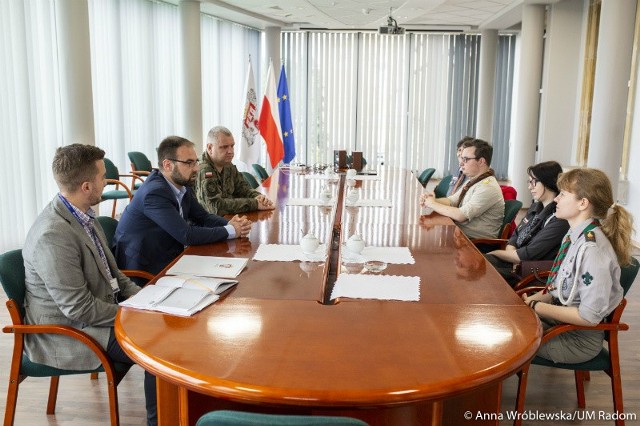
<point x="277" y="338"/>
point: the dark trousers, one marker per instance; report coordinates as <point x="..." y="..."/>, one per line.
<point x="115" y="353"/>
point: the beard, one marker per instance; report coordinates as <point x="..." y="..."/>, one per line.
<point x="181" y="180"/>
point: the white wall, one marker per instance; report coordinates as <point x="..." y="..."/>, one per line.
<point x="561" y="82"/>
<point x="633" y="176"/>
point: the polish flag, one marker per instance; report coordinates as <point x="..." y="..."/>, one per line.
<point x="269" y="123"/>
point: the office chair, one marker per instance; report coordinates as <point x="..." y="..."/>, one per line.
<point x="425" y="176"/>
<point x="608" y="360"/>
<point x="443" y="186"/>
<point x="261" y="172"/>
<point x="12" y="276"/>
<point x="239" y="418"/>
<point x="250" y="179"/>
<point x="113" y="178"/>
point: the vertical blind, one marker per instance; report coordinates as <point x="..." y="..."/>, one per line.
<point x="135" y="84"/>
<point x="403" y="100"/>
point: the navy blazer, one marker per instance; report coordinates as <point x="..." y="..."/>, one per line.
<point x="151" y="232"/>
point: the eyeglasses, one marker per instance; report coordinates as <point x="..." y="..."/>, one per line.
<point x="532" y="181"/>
<point x="189" y="163"/>
<point x="466" y="159"/>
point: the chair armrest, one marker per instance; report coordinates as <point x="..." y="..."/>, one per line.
<point x="65" y="330"/>
<point x="500" y="243"/>
<point x="554" y="331"/>
<point x="140" y="172"/>
<point x="137" y="273"/>
<point x="527" y="290"/>
<point x="117" y="182"/>
<point x="133" y="177"/>
<point x="535" y="277"/>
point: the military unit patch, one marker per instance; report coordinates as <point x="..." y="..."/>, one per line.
<point x="208" y="175"/>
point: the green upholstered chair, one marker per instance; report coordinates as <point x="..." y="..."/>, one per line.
<point x="443" y="186"/>
<point x="608" y="360"/>
<point x="252" y="180"/>
<point x="12" y="276"/>
<point x="511" y="209"/>
<point x="239" y="418"/>
<point x="113" y="181"/>
<point x="261" y="172"/>
<point x="109" y="226"/>
<point x="425" y="176"/>
<point x="140" y="166"/>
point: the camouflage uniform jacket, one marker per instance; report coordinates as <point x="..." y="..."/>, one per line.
<point x="224" y="192"/>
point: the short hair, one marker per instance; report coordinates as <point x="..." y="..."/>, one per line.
<point x="482" y="149"/>
<point x="75" y="164"/>
<point x="547" y="173"/>
<point x="169" y="146"/>
<point x="214" y="134"/>
<point x="463" y="140"/>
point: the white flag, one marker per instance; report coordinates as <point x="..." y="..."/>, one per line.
<point x="249" y="148"/>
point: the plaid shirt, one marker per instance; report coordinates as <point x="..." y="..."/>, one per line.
<point x="86" y="220"/>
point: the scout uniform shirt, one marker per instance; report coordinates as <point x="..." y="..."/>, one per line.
<point x="590" y="271"/>
<point x="224" y="192"/>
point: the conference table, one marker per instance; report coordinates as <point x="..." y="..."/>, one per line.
<point x="278" y="342"/>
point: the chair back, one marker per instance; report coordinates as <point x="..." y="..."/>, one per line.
<point x="109" y="226"/>
<point x="511" y="209"/>
<point x="240" y="418"/>
<point x="425" y="176"/>
<point x="628" y="274"/>
<point x="250" y="179"/>
<point x="112" y="170"/>
<point x="443" y="186"/>
<point x="139" y="161"/>
<point x="12" y="277"/>
<point x="260" y="171"/>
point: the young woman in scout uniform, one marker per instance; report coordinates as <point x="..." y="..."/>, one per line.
<point x="584" y="285"/>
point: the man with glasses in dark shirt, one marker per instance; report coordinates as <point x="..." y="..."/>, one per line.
<point x="165" y="216"/>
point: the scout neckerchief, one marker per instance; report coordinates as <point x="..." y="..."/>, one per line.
<point x="587" y="232"/>
<point x="473" y="182"/>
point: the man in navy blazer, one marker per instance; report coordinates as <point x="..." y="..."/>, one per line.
<point x="164" y="216"/>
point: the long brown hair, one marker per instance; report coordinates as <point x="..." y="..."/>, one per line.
<point x="617" y="222"/>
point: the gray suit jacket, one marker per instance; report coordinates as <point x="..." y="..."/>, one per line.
<point x="66" y="283"/>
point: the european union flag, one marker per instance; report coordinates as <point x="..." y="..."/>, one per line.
<point x="286" y="124"/>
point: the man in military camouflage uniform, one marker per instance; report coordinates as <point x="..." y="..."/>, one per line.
<point x="220" y="188"/>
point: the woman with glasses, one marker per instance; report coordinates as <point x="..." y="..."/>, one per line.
<point x="539" y="234"/>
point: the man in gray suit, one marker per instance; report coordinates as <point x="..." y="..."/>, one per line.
<point x="71" y="276"/>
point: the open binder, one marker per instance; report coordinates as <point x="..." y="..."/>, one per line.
<point x="179" y="295"/>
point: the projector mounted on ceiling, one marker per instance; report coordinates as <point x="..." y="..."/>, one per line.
<point x="391" y="27"/>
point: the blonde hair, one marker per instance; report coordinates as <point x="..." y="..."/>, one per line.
<point x="617" y="222"/>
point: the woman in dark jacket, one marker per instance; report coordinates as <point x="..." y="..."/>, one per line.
<point x="540" y="233"/>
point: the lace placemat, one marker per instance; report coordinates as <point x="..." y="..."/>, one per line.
<point x="288" y="253"/>
<point x="381" y="287"/>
